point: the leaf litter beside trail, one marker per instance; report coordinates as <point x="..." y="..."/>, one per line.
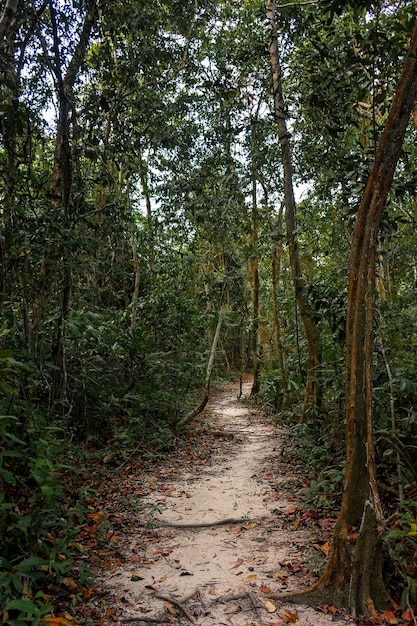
<point x="215" y="532"/>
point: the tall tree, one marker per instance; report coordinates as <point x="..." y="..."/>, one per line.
<point x="61" y="182"/>
<point x="353" y="577"/>
<point x="312" y="396"/>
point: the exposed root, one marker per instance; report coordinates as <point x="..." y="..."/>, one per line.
<point x="177" y="604"/>
<point x="222" y="522"/>
<point x="224" y="599"/>
<point x="144" y="620"/>
<point x="314" y="595"/>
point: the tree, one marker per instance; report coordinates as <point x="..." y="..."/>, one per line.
<point x="61" y="182"/>
<point x="8" y="16"/>
<point x="353" y="577"/>
<point x="312" y="396"/>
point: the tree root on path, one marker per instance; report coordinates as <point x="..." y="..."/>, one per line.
<point x="144" y="620"/>
<point x="248" y="595"/>
<point x="224" y="599"/>
<point x="296" y="597"/>
<point x="223" y="522"/>
<point x="178" y="604"/>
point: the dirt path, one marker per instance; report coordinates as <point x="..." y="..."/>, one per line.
<point x="212" y="540"/>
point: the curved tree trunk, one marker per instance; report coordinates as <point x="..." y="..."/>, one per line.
<point x="207" y="382"/>
<point x="312" y="398"/>
<point x="353" y="576"/>
<point x="61" y="183"/>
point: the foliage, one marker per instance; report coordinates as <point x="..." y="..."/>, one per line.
<point x="110" y="295"/>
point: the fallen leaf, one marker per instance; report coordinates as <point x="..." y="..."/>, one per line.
<point x="291" y="509"/>
<point x="171" y="609"/>
<point x="87" y="593"/>
<point x="57" y="621"/>
<point x="136" y="577"/>
<point x="70" y="583"/>
<point x="289" y="618"/>
<point x="270" y="606"/>
<point x="238" y="562"/>
<point x="264" y="590"/>
<point x="249" y="526"/>
<point x="251" y="578"/>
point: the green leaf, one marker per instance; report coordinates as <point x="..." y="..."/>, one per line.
<point x="413" y="530"/>
<point x="14" y="438"/>
<point x="5" y="354"/>
<point x="7" y="476"/>
<point x="24" y="604"/>
<point x="32" y="561"/>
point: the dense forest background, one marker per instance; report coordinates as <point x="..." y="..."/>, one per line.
<point x="142" y="199"/>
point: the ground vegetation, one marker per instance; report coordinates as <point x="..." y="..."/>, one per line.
<point x="176" y="211"/>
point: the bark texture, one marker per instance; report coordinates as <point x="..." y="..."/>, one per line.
<point x="312" y="398"/>
<point x="62" y="175"/>
<point x="353" y="576"/>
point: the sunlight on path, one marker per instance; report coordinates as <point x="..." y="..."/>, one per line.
<point x="242" y="558"/>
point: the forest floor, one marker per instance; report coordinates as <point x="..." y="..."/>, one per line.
<point x="207" y="534"/>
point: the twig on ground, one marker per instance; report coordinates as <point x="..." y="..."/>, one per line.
<point x="188" y="596"/>
<point x="256" y="604"/>
<point x="222" y="522"/>
<point x="144" y="620"/>
<point x="224" y="599"/>
<point x="177" y="604"/>
<point x="203" y="604"/>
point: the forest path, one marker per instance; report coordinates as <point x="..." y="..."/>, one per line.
<point x="216" y="533"/>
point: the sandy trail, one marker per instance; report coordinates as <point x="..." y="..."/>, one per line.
<point x="218" y="573"/>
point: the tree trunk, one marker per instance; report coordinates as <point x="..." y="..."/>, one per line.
<point x="276" y="255"/>
<point x="254" y="265"/>
<point x="8" y="17"/>
<point x="61" y="182"/>
<point x="206" y="394"/>
<point x="353" y="576"/>
<point x="312" y="398"/>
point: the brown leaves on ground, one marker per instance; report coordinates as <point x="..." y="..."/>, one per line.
<point x="405" y="618"/>
<point x="290" y="617"/>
